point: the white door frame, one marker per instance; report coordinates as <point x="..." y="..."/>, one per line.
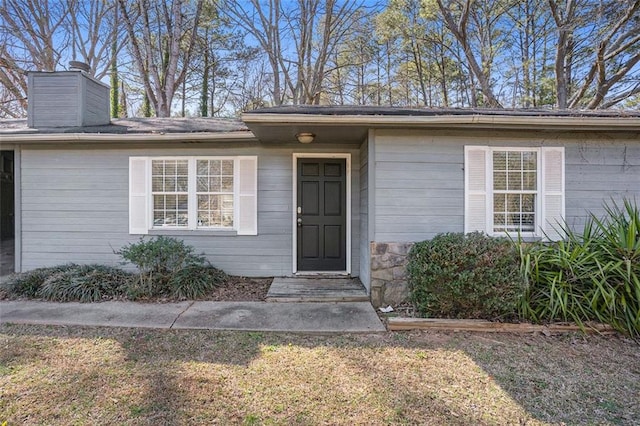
<point x="294" y="217"/>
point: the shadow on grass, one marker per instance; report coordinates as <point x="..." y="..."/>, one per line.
<point x="179" y="376"/>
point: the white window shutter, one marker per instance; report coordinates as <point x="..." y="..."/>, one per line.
<point x="248" y="196"/>
<point x="138" y="196"/>
<point x="553" y="192"/>
<point x="476" y="168"/>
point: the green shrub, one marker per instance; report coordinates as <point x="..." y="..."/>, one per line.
<point x="28" y="284"/>
<point x="194" y="281"/>
<point x="594" y="275"/>
<point x="85" y="283"/>
<point x="465" y="276"/>
<point x="65" y="283"/>
<point x="168" y="267"/>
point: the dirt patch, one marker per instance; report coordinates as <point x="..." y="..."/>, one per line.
<point x="241" y="289"/>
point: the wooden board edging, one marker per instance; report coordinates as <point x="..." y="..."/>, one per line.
<point x="399" y="323"/>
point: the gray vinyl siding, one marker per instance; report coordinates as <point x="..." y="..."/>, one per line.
<point x="419" y="177"/>
<point x="75" y="208"/>
<point x="365" y="258"/>
<point x="66" y="99"/>
<point x="596" y="173"/>
<point x="419" y="185"/>
<point x="53" y="100"/>
<point x="96" y="103"/>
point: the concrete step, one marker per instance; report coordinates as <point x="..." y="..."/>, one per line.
<point x="317" y="289"/>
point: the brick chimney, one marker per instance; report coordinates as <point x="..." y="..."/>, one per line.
<point x="67" y="98"/>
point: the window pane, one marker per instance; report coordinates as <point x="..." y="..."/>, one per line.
<point x="528" y="222"/>
<point x="203" y="184"/>
<point x="515" y="182"/>
<point x="530" y="160"/>
<point x="528" y="203"/>
<point x="182" y="168"/>
<point x="203" y="167"/>
<point x="170" y="179"/>
<point x="170" y="184"/>
<point x="169" y="210"/>
<point x="499" y="160"/>
<point x="183" y="202"/>
<point x="182" y="184"/>
<point x="214" y="184"/>
<point x="216" y="218"/>
<point x="157" y="168"/>
<point x="157" y="184"/>
<point x="214" y="167"/>
<point x="215" y="210"/>
<point x="170" y="202"/>
<point x="227" y="167"/>
<point x="514" y="160"/>
<point x="227" y="184"/>
<point x="530" y="181"/>
<point x="499" y="180"/>
<point x="227" y="201"/>
<point x="499" y="203"/>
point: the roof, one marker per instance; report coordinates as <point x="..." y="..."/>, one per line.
<point x="435" y="112"/>
<point x="350" y="124"/>
<point x="131" y="129"/>
<point x="330" y="124"/>
<point x="123" y="126"/>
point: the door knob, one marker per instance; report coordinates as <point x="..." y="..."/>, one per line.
<point x="299" y="221"/>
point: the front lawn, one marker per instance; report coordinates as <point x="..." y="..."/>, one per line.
<point x="83" y="375"/>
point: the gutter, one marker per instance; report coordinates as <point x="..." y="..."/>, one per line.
<point x="466" y="121"/>
<point x="72" y="138"/>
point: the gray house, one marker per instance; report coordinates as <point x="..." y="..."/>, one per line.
<point x="300" y="190"/>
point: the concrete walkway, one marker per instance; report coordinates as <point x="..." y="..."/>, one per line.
<point x="343" y="317"/>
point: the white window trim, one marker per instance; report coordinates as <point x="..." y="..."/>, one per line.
<point x="192" y="222"/>
<point x="537" y="232"/>
<point x="478" y="190"/>
<point x="245" y="210"/>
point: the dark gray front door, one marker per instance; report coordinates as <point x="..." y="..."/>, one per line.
<point x="321" y="214"/>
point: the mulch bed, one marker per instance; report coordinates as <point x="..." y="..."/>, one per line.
<point x="240" y="289"/>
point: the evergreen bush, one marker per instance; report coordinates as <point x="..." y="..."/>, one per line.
<point x="168" y="267"/>
<point x="465" y="276"/>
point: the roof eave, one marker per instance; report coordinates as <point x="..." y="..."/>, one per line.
<point x="439" y="121"/>
<point x="72" y="138"/>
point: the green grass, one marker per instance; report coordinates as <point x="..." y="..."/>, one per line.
<point x="76" y="375"/>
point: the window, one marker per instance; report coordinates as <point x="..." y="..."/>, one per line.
<point x="170" y="192"/>
<point x="214" y="189"/>
<point x="514" y="190"/>
<point x="515" y="193"/>
<point x="193" y="193"/>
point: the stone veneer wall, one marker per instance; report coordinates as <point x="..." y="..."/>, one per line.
<point x="389" y="284"/>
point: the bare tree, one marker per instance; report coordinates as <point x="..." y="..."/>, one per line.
<point x="315" y="29"/>
<point x="33" y="38"/>
<point x="614" y="57"/>
<point x="93" y="28"/>
<point x="457" y="15"/>
<point x="565" y="19"/>
<point x="162" y="36"/>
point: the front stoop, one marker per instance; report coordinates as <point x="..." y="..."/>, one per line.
<point x="316" y="289"/>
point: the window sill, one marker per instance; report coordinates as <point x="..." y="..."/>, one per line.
<point x="204" y="232"/>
